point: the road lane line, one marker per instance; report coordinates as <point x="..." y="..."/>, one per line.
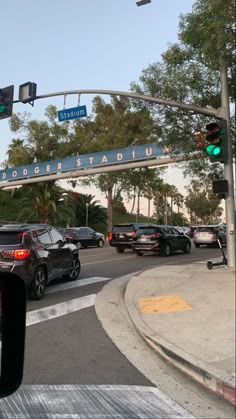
<point x="109" y="260"/>
<point x="60" y="309"/>
<point x="75" y="284"/>
<point x="95" y="254"/>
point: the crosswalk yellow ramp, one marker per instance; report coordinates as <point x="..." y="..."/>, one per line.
<point x="163" y="304"/>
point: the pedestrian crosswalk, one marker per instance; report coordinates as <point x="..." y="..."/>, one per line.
<point x="75" y="284"/>
<point x="60" y="309"/>
<point x="65" y="307"/>
<point x="91" y="401"/>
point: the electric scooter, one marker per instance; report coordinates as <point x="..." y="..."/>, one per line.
<point x="210" y="264"/>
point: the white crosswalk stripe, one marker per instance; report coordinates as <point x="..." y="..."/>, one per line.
<point x="60" y="309"/>
<point x="75" y="284"/>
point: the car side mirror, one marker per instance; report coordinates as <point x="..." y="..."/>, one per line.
<point x="12" y="332"/>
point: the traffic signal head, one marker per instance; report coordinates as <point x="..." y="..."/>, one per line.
<point x="215" y="141"/>
<point x="6" y="101"/>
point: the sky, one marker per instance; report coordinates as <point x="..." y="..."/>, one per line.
<point x="90" y="44"/>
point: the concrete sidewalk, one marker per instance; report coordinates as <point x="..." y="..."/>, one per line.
<point x="187" y="314"/>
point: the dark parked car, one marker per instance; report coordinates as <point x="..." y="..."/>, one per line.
<point x="86" y="236"/>
<point x="160" y="239"/>
<point x="121" y="236"/>
<point x="38" y="253"/>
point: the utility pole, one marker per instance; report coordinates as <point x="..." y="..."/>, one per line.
<point x="228" y="169"/>
<point x="86" y="215"/>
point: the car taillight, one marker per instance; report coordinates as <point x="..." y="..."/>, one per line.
<point x="110" y="236"/>
<point x="133" y="233"/>
<point x="21" y="254"/>
<point x="18" y="254"/>
<point x="156" y="235"/>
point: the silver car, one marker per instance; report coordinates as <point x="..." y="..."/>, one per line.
<point x="208" y="235"/>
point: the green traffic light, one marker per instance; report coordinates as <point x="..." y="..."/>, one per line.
<point x="210" y="149"/>
<point x="2" y="108"/>
<point x="217" y="151"/>
<point x="214" y="150"/>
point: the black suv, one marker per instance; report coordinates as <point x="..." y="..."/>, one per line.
<point x="38" y="253"/>
<point x="121" y="236"/>
<point x="160" y="239"/>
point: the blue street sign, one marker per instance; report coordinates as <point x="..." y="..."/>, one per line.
<point x="72" y="113"/>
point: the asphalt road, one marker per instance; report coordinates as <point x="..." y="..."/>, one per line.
<point x="73" y="369"/>
<point x="74" y="348"/>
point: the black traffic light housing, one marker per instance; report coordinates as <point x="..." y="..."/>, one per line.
<point x="220" y="188"/>
<point x="6" y="101"/>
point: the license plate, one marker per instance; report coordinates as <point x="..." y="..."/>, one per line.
<point x="143" y="239"/>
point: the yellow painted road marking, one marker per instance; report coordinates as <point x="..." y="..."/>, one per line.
<point x="163" y="304"/>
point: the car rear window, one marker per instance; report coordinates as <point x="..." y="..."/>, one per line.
<point x="206" y="229"/>
<point x="123" y="229"/>
<point x="9" y="238"/>
<point x="148" y="230"/>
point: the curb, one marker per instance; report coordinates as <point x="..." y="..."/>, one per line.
<point x="190" y="366"/>
<point x="196" y="373"/>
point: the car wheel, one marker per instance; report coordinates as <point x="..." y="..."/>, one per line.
<point x="38" y="285"/>
<point x="138" y="253"/>
<point x="166" y="250"/>
<point x="75" y="269"/>
<point x="100" y="243"/>
<point x="187" y="247"/>
<point x="197" y="245"/>
<point x="120" y="250"/>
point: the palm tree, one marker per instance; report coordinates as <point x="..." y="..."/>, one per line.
<point x="44" y="203"/>
<point x="96" y="214"/>
<point x="179" y="200"/>
<point x="18" y="153"/>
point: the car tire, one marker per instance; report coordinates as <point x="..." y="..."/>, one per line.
<point x="138" y="253"/>
<point x="166" y="250"/>
<point x="75" y="269"/>
<point x="187" y="247"/>
<point x="38" y="284"/>
<point x="197" y="245"/>
<point x="100" y="243"/>
<point x="120" y="250"/>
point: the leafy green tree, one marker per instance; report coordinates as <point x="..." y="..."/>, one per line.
<point x="202" y="203"/>
<point x="118" y="204"/>
<point x="189" y="72"/>
<point x="116" y="125"/>
<point x="41" y="140"/>
<point x="178" y="219"/>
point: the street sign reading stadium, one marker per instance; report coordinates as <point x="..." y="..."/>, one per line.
<point x="84" y="161"/>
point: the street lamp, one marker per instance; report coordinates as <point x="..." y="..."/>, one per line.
<point x="86" y="222"/>
<point x="142" y="2"/>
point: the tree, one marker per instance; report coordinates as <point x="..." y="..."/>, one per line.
<point x="202" y="203"/>
<point x="179" y="200"/>
<point x="41" y="140"/>
<point x="189" y="72"/>
<point x="45" y="203"/>
<point x="18" y="153"/>
<point x="96" y="213"/>
<point x="116" y="125"/>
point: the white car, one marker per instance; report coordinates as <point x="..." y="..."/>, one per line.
<point x="208" y="235"/>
